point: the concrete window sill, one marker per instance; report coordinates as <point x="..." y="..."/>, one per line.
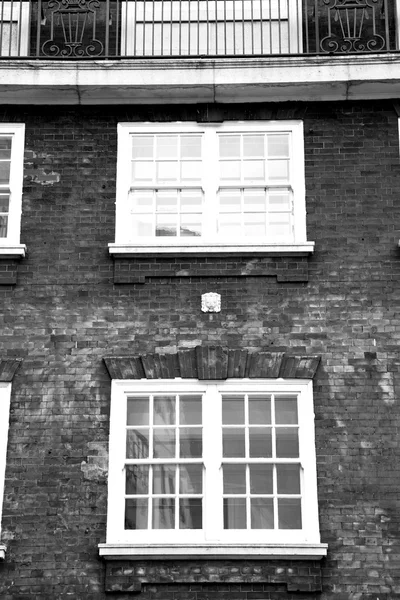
<point x="133" y="250"/>
<point x="12" y="251"/>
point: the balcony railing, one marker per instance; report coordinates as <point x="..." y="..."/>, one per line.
<point x="109" y="29"/>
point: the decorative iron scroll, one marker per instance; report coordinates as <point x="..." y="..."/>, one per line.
<point x="352" y="27"/>
<point x="72" y="29"/>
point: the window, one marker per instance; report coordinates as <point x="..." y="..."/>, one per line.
<point x="230" y="186"/>
<point x="14" y="28"/>
<point x="5" y="393"/>
<point x="216" y="465"/>
<point x="11" y="174"/>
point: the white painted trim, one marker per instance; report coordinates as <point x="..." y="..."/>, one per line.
<point x="5" y="399"/>
<point x="241" y="551"/>
<point x="3" y="549"/>
<point x="16" y="250"/>
<point x="197" y="249"/>
<point x="17" y="132"/>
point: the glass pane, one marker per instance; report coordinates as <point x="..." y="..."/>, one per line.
<point x="289" y="511"/>
<point x="288" y="479"/>
<point x="234" y="513"/>
<point x="190" y="410"/>
<point x="261" y="479"/>
<point x="253" y="145"/>
<point x="233" y="410"/>
<point x="4" y="172"/>
<point x="280" y="225"/>
<point x="259" y="410"/>
<point x="229" y="224"/>
<point x="136" y="479"/>
<point x="3" y="226"/>
<point x="191" y="202"/>
<point x="164" y="410"/>
<point x="262" y="513"/>
<point x="143" y="226"/>
<point x="278" y="145"/>
<point x="138" y="411"/>
<point x="190" y="226"/>
<point x="164" y="479"/>
<point x="253" y="170"/>
<point x="278" y="169"/>
<point x="164" y="443"/>
<point x="234" y="479"/>
<point x="260" y="442"/>
<point x="230" y="170"/>
<point x="191" y="170"/>
<point x="280" y="202"/>
<point x="4" y="203"/>
<point x="166" y="225"/>
<point x="190" y="146"/>
<point x="190" y="442"/>
<point x="142" y="146"/>
<point x="167" y="171"/>
<point x="254" y="225"/>
<point x="5" y="148"/>
<point x="254" y="201"/>
<point x="142" y="172"/>
<point x="137" y="443"/>
<point x="190" y="513"/>
<point x="167" y="146"/>
<point x="191" y="479"/>
<point x="167" y="202"/>
<point x="229" y="201"/>
<point x="287" y="442"/>
<point x="229" y="146"/>
<point x="136" y="513"/>
<point x="286" y="410"/>
<point x="163" y="513"/>
<point x="233" y="443"/>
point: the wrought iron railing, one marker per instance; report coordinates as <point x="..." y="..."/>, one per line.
<point x="189" y="28"/>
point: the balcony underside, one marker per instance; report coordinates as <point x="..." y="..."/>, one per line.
<point x="200" y="80"/>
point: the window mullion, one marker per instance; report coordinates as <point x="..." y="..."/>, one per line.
<point x="213" y="463"/>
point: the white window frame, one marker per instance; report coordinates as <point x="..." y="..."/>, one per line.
<point x="14" y="20"/>
<point x="5" y="398"/>
<point x="10" y="245"/>
<point x="209" y="242"/>
<point x="212" y="540"/>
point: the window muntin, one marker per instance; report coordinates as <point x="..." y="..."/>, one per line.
<point x="189" y="184"/>
<point x="11" y="173"/>
<point x="243" y="463"/>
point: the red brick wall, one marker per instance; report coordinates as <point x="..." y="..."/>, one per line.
<point x="66" y="313"/>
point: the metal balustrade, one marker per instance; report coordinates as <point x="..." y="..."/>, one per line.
<point x="84" y="29"/>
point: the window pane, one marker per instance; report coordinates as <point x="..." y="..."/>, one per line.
<point x="261" y="479"/>
<point x="136" y="479"/>
<point x="3" y="226"/>
<point x="167" y="202"/>
<point x="167" y="171"/>
<point x="164" y="479"/>
<point x="287" y="442"/>
<point x="233" y="443"/>
<point x="167" y="146"/>
<point x="280" y="225"/>
<point x="164" y="443"/>
<point x="137" y="443"/>
<point x="136" y="513"/>
<point x="262" y="513"/>
<point x="163" y="513"/>
<point x="234" y="513"/>
<point x="191" y="146"/>
<point x="138" y="411"/>
<point x="190" y="410"/>
<point x="253" y="170"/>
<point x="229" y="146"/>
<point x="4" y="203"/>
<point x="288" y="479"/>
<point x="286" y="410"/>
<point x="260" y="442"/>
<point x="253" y="145"/>
<point x="280" y="201"/>
<point x="278" y="145"/>
<point x="254" y="225"/>
<point x="4" y="172"/>
<point x="254" y="201"/>
<point x="190" y="442"/>
<point x="259" y="410"/>
<point x="191" y="170"/>
<point x="229" y="224"/>
<point x="142" y="146"/>
<point x="233" y="410"/>
<point x="5" y="148"/>
<point x="234" y="479"/>
<point x="191" y="479"/>
<point x="230" y="170"/>
<point x="142" y="201"/>
<point x="166" y="226"/>
<point x="190" y="226"/>
<point x="143" y="226"/>
<point x="190" y="513"/>
<point x="164" y="410"/>
<point x="289" y="511"/>
<point x="142" y="172"/>
<point x="278" y="169"/>
<point x="191" y="202"/>
<point x="229" y="201"/>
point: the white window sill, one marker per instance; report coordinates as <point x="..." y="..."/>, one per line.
<point x="213" y="551"/>
<point x="3" y="549"/>
<point x="12" y="250"/>
<point x="121" y="250"/>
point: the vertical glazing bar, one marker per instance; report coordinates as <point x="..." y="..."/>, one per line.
<point x="216" y="26"/>
<point x="261" y="28"/>
<point x="144" y="27"/>
<point x="208" y="29"/>
<point x="243" y="28"/>
<point x="189" y="28"/>
<point x="10" y="32"/>
<point x="170" y="27"/>
<point x="180" y="28"/>
<point x="289" y="24"/>
<point x="198" y="26"/>
<point x="234" y="24"/>
<point x="162" y="28"/>
<point x="225" y="36"/>
<point x="316" y="13"/>
<point x="153" y="8"/>
<point x="270" y="27"/>
<point x="252" y="26"/>
<point x="280" y="26"/>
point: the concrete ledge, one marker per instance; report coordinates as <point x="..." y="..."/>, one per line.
<point x="125" y="250"/>
<point x="200" y="80"/>
<point x="213" y="551"/>
<point x="12" y="251"/>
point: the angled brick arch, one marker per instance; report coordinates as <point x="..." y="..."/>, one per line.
<point x="213" y="362"/>
<point x="8" y="368"/>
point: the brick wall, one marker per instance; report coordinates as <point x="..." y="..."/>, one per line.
<point x="66" y="313"/>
